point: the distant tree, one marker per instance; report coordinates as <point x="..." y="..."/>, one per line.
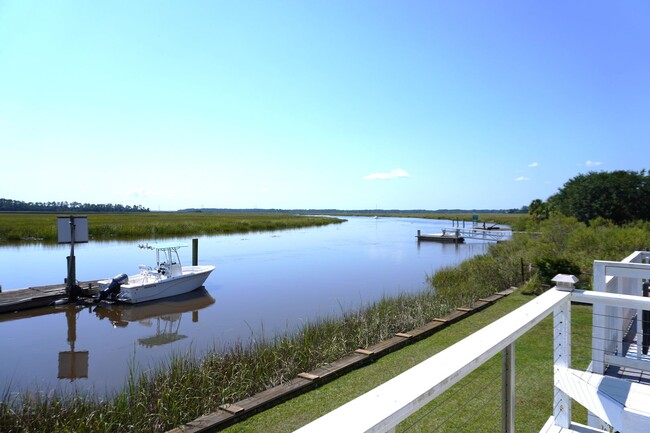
<point x="548" y="267"/>
<point x="619" y="196"/>
<point x="7" y="205"/>
<point x="538" y="209"/>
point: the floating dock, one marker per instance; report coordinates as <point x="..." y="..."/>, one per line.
<point x="459" y="235"/>
<point x="41" y="296"/>
<point x="444" y="237"/>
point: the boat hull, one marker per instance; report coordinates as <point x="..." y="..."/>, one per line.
<point x="143" y="289"/>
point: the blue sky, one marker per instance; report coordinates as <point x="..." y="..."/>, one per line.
<point x="319" y="104"/>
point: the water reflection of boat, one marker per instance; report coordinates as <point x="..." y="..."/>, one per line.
<point x="121" y="314"/>
<point x="166" y="331"/>
<point x="167" y="278"/>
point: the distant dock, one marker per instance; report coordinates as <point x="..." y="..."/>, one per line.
<point x="458" y="235"/>
<point x="446" y="238"/>
<point x="41" y="296"/>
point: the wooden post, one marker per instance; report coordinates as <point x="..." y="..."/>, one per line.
<point x="71" y="280"/>
<point x="195" y="252"/>
<point x="508" y="389"/>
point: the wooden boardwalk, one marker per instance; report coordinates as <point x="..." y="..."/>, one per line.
<point x="41" y="296"/>
<point x="493" y="235"/>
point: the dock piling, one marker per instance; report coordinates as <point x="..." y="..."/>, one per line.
<point x="195" y="252"/>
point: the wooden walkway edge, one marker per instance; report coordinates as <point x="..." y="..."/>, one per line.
<point x="230" y="414"/>
<point x="41" y="296"/>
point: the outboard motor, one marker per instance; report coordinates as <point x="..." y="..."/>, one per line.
<point x="113" y="288"/>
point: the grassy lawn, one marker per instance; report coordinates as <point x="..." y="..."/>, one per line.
<point x="474" y="402"/>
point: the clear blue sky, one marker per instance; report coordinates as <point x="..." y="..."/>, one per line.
<point x="319" y="104"/>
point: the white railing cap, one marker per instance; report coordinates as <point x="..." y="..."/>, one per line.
<point x="565" y="282"/>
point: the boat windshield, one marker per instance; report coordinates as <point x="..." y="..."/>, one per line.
<point x="167" y="256"/>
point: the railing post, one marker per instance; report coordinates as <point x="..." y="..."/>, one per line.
<point x="508" y="389"/>
<point x="645" y="316"/>
<point x="562" y="348"/>
<point x="599" y="326"/>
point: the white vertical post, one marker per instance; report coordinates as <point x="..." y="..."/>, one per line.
<point x="508" y="389"/>
<point x="562" y="349"/>
<point x="639" y="335"/>
<point x="619" y="317"/>
<point x="598" y="327"/>
<point x="562" y="357"/>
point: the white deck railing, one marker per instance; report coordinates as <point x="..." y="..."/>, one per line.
<point x="617" y="299"/>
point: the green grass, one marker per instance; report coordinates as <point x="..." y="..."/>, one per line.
<point x="15" y="227"/>
<point x="534" y="389"/>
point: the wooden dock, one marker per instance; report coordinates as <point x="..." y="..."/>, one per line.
<point x="41" y="296"/>
<point x="444" y="237"/>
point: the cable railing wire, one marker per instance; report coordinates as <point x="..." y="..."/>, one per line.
<point x="474" y="401"/>
<point x="480" y="380"/>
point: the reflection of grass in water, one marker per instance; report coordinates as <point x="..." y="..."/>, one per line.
<point x="152" y="225"/>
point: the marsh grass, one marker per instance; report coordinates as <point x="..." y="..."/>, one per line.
<point x="15" y="227"/>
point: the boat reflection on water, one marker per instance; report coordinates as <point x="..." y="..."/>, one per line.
<point x="165" y="313"/>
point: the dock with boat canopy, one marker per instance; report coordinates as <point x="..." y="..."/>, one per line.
<point x="43" y="296"/>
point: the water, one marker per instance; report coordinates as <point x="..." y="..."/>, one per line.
<point x="264" y="284"/>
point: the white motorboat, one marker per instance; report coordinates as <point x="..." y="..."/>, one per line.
<point x="167" y="278"/>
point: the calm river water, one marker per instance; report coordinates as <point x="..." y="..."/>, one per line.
<point x="264" y="284"/>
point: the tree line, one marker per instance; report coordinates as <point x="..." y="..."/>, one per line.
<point x="621" y="197"/>
<point x="8" y="205"/>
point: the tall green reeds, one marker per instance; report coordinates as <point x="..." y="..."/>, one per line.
<point x="154" y="225"/>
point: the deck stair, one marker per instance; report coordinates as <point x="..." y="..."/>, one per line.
<point x="551" y="427"/>
<point x="620" y="403"/>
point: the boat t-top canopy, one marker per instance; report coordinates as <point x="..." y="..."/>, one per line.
<point x="163" y="246"/>
<point x="167" y="245"/>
